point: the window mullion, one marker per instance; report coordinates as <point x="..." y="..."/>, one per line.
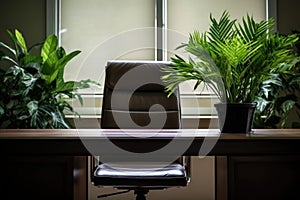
<point x="52" y="18"/>
<point x="161" y="27"/>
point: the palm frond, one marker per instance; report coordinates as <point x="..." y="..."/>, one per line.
<point x="222" y="29"/>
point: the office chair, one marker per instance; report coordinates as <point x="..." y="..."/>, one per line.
<point x="130" y="89"/>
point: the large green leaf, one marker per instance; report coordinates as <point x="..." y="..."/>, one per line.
<point x="49" y="68"/>
<point x="49" y="46"/>
<point x="21" y="41"/>
<point x="52" y="60"/>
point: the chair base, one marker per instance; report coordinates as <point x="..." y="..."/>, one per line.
<point x="141" y="193"/>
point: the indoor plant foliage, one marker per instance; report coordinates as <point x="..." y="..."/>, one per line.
<point x="244" y="56"/>
<point x="33" y="91"/>
<point x="276" y="103"/>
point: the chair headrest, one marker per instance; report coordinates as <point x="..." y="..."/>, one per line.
<point x="135" y="75"/>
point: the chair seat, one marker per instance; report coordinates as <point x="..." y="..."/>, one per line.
<point x="138" y="175"/>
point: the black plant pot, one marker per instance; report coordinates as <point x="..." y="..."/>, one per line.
<point x="235" y="117"/>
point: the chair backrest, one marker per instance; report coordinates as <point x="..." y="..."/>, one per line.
<point x="132" y="91"/>
<point x="135" y="97"/>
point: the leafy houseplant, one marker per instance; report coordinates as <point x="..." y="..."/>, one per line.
<point x="274" y="107"/>
<point x="33" y="91"/>
<point x="234" y="60"/>
<point x="277" y="104"/>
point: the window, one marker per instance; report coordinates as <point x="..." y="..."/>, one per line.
<point x="138" y="30"/>
<point x="105" y="30"/>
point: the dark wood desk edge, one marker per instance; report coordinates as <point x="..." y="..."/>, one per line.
<point x="69" y="142"/>
<point x="162" y="134"/>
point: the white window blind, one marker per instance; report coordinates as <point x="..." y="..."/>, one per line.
<point x="126" y="29"/>
<point x="99" y="28"/>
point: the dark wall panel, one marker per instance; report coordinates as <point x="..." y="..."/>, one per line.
<point x="29" y="16"/>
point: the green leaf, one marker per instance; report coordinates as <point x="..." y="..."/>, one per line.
<point x="31" y="59"/>
<point x="49" y="46"/>
<point x="49" y="73"/>
<point x="23" y="117"/>
<point x="60" y="52"/>
<point x="21" y="41"/>
<point x="15" y="42"/>
<point x="1" y="111"/>
<point x="4" y="57"/>
<point x="52" y="60"/>
<point x="61" y="65"/>
<point x="287" y="105"/>
<point x="32" y="107"/>
<point x="51" y="68"/>
<point x="14" y="70"/>
<point x="12" y="37"/>
<point x="64" y="60"/>
<point x="64" y="87"/>
<point x="8" y="48"/>
<point x="10" y="104"/>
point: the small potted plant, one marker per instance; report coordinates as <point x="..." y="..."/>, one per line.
<point x="234" y="60"/>
<point x="33" y="91"/>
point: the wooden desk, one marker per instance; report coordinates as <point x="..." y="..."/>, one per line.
<point x="74" y="142"/>
<point x="262" y="165"/>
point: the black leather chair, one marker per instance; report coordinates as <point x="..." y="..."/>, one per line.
<point x="132" y="91"/>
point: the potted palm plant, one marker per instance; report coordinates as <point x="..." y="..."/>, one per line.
<point x="234" y="60"/>
<point x="33" y="91"/>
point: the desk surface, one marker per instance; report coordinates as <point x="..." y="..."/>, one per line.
<point x="41" y="134"/>
<point x="77" y="141"/>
